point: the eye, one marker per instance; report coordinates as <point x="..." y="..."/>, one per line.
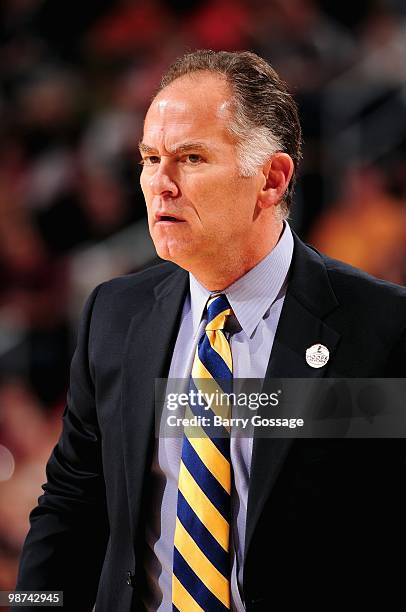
<point x="150" y="160"/>
<point x="193" y="159"/>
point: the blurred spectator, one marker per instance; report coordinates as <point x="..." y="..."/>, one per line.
<point x="27" y="437"/>
<point x="129" y="27"/>
<point x="302" y="42"/>
<point x="383" y="47"/>
<point x="219" y="24"/>
<point x="366" y="228"/>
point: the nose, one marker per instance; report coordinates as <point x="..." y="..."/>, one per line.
<point x="163" y="182"/>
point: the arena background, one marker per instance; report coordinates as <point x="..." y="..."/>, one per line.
<point x="76" y="79"/>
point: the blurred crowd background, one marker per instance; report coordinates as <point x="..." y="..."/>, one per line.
<point x="76" y="79"/>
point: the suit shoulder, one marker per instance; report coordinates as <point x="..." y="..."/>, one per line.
<point x="145" y="280"/>
<point x="115" y="302"/>
<point x="370" y="318"/>
<point x="378" y="304"/>
<point x="346" y="278"/>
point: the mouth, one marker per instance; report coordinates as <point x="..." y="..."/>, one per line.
<point x="167" y="219"/>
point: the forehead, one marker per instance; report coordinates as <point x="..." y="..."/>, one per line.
<point x="196" y="106"/>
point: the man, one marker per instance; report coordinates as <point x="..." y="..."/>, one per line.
<point x="124" y="520"/>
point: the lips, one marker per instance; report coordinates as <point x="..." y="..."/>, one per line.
<point x="167" y="217"/>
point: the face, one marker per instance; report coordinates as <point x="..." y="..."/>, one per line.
<point x="200" y="210"/>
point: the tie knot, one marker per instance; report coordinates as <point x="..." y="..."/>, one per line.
<point x="218" y="310"/>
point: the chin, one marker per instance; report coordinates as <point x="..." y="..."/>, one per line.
<point x="173" y="253"/>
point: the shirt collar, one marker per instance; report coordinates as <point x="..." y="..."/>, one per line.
<point x="252" y="295"/>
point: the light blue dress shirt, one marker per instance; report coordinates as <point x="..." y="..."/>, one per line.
<point x="256" y="300"/>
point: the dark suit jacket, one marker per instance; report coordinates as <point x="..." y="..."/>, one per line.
<point x="319" y="511"/>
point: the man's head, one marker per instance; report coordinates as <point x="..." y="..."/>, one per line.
<point x="220" y="146"/>
<point x="264" y="114"/>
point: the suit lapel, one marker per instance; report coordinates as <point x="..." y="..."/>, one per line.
<point x="308" y="300"/>
<point x="147" y="355"/>
<point x="149" y="347"/>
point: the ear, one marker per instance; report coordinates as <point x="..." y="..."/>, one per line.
<point x="277" y="173"/>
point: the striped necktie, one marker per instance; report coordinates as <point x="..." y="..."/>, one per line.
<point x="201" y="562"/>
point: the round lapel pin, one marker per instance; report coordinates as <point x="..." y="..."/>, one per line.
<point x="317" y="355"/>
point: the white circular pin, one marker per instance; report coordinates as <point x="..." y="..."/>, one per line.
<point x="317" y="355"/>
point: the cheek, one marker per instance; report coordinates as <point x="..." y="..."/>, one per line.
<point x="211" y="196"/>
<point x="222" y="203"/>
<point x="144" y="184"/>
<point x="147" y="193"/>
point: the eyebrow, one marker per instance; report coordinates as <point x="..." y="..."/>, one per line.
<point x="181" y="148"/>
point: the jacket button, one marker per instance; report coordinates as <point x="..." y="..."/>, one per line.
<point x="130" y="579"/>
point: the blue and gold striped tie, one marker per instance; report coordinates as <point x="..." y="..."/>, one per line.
<point x="201" y="562"/>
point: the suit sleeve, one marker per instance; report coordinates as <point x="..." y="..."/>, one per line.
<point x="65" y="546"/>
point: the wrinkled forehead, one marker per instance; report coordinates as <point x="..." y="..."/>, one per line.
<point x="201" y="101"/>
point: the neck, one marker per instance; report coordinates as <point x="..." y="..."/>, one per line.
<point x="234" y="266"/>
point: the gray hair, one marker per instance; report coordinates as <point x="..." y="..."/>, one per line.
<point x="265" y="117"/>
